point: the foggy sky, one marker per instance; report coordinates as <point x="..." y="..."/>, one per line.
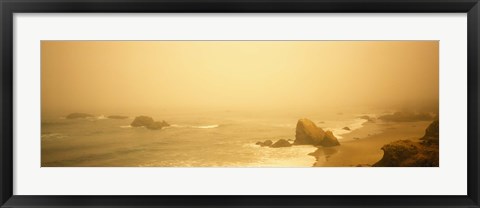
<point x="85" y="76"/>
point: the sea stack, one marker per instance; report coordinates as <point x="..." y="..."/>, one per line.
<point x="148" y="122"/>
<point x="308" y="133"/>
<point x="142" y="121"/>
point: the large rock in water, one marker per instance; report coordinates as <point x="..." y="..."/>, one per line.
<point x="266" y="143"/>
<point x="148" y="122"/>
<point x="79" y="115"/>
<point x="308" y="133"/>
<point x="117" y="117"/>
<point x="157" y="125"/>
<point x="142" y="121"/>
<point x="407" y="153"/>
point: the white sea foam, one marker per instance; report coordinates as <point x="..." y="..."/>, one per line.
<point x="100" y="117"/>
<point x="206" y="126"/>
<point x="53" y="136"/>
<point x="195" y="127"/>
<point x="337" y="126"/>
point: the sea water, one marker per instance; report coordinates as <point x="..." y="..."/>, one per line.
<point x="194" y="139"/>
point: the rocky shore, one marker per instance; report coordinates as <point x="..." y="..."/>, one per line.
<point x="407" y="153"/>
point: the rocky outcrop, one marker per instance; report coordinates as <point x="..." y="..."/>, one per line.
<point x="368" y="118"/>
<point x="117" y="117"/>
<point x="308" y="133"/>
<point x="266" y="143"/>
<point x="346" y="128"/>
<point x="407" y="153"/>
<point x="148" y="122"/>
<point x="407" y="117"/>
<point x="432" y="133"/>
<point x="142" y="121"/>
<point x="79" y="115"/>
<point x="281" y="143"/>
<point x="329" y="140"/>
<point x="157" y="125"/>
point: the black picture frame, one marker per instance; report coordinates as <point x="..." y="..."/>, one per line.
<point x="9" y="7"/>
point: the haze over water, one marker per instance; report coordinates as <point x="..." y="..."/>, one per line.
<point x="220" y="97"/>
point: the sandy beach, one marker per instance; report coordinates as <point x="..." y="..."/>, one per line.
<point x="363" y="146"/>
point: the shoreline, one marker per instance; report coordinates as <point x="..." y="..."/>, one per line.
<point x="362" y="147"/>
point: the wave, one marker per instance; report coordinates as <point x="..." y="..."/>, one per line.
<point x="182" y="126"/>
<point x="206" y="126"/>
<point x="195" y="127"/>
<point x="338" y="127"/>
<point x="53" y="136"/>
<point x="100" y="117"/>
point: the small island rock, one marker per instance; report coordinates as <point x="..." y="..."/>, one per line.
<point x="281" y="143"/>
<point x="117" y="117"/>
<point x="266" y="143"/>
<point x="142" y="121"/>
<point x="157" y="125"/>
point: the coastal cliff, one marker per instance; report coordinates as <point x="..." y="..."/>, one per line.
<point x="407" y="153"/>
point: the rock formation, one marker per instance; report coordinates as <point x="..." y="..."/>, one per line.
<point x="157" y="125"/>
<point x="407" y="153"/>
<point x="346" y="128"/>
<point x="142" y="121"/>
<point x="308" y="133"/>
<point x="281" y="143"/>
<point x="431" y="133"/>
<point x="267" y="143"/>
<point x="148" y="122"/>
<point x="117" y="117"/>
<point x="329" y="140"/>
<point x="79" y="115"/>
<point x="407" y="117"/>
<point x="368" y="118"/>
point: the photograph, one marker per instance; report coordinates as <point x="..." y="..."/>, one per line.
<point x="239" y="103"/>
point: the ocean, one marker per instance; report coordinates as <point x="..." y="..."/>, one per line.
<point x="194" y="139"/>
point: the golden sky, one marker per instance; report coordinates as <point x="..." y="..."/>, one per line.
<point x="92" y="75"/>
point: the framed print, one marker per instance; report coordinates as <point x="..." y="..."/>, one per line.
<point x="265" y="103"/>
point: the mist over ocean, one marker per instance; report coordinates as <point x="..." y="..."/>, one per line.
<point x="238" y="103"/>
<point x="194" y="139"/>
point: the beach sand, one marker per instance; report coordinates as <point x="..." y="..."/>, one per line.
<point x="363" y="146"/>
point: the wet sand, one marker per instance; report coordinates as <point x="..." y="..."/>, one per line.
<point x="363" y="146"/>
